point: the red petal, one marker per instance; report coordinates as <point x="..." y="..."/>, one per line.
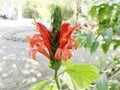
<point x="47" y="44"/>
<point x="34" y="39"/>
<point x="43" y="51"/>
<point x="58" y="54"/>
<point x="69" y="53"/>
<point x="63" y="42"/>
<point x="66" y="34"/>
<point x="64" y="28"/>
<point x="33" y="53"/>
<point x="69" y="44"/>
<point x="43" y="30"/>
<point x="28" y="38"/>
<point x="66" y="54"/>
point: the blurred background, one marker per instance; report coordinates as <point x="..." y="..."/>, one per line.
<point x="16" y="9"/>
<point x="17" y="70"/>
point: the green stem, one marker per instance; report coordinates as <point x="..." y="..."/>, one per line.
<point x="56" y="80"/>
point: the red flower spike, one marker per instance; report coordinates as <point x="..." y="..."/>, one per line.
<point x="41" y="42"/>
<point x="58" y="54"/>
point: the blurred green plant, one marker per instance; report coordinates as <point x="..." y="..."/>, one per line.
<point x="107" y="33"/>
<point x="41" y="9"/>
<point x="30" y="9"/>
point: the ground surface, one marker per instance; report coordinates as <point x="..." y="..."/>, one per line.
<point x="17" y="70"/>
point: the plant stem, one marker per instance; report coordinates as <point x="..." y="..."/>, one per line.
<point x="56" y="80"/>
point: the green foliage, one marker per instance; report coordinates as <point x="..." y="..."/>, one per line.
<point x="39" y="85"/>
<point x="116" y="43"/>
<point x="114" y="86"/>
<point x="79" y="41"/>
<point x="51" y="87"/>
<point x="93" y="12"/>
<point x="41" y="8"/>
<point x="105" y="13"/>
<point x="102" y="83"/>
<point x="89" y="40"/>
<point x="30" y="9"/>
<point x="94" y="46"/>
<point x="67" y="63"/>
<point x="68" y="81"/>
<point x="105" y="47"/>
<point x="108" y="27"/>
<point x="107" y="37"/>
<point x="67" y="12"/>
<point x="110" y="68"/>
<point x="82" y="75"/>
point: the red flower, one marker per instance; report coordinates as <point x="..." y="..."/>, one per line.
<point x="66" y="42"/>
<point x="40" y="42"/>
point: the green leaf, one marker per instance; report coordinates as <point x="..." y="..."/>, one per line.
<point x="104" y="33"/>
<point x="79" y="41"/>
<point x="102" y="14"/>
<point x="82" y="74"/>
<point x="39" y="85"/>
<point x="107" y="35"/>
<point x="105" y="5"/>
<point x="117" y="43"/>
<point x="116" y="30"/>
<point x="103" y="11"/>
<point x="105" y="47"/>
<point x="67" y="80"/>
<point x="50" y="87"/>
<point x="94" y="46"/>
<point x="116" y="46"/>
<point x="102" y="83"/>
<point x="89" y="40"/>
<point x="114" y="86"/>
<point x="110" y="34"/>
<point x="93" y="11"/>
<point x="68" y="62"/>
